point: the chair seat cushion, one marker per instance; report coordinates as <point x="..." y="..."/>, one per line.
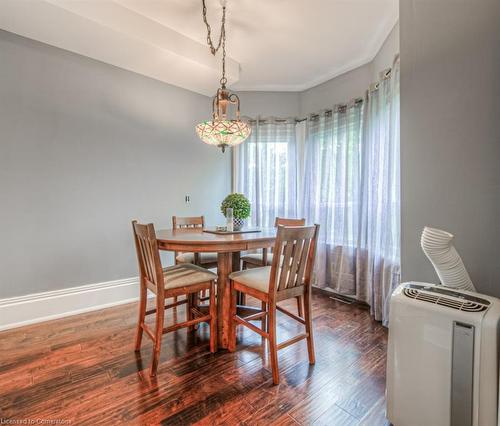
<point x="256" y="278"/>
<point x="257" y="258"/>
<point x="185" y="275"/>
<point x="204" y="258"/>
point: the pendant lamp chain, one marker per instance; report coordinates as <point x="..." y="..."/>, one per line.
<point x="222" y="39"/>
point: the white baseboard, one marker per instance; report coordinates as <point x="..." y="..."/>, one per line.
<point x="39" y="307"/>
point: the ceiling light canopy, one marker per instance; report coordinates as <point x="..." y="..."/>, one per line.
<point x="222" y="131"/>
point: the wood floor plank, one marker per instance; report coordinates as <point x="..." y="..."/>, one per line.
<point x="376" y="415"/>
<point x="336" y="416"/>
<point x="84" y="369"/>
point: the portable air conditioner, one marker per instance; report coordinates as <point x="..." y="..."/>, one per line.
<point x="443" y="355"/>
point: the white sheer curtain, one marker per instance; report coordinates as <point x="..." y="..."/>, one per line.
<point x="266" y="170"/>
<point x="352" y="190"/>
<point x="344" y="176"/>
<point x="332" y="193"/>
<point x="380" y="228"/>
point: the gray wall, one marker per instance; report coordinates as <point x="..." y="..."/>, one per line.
<point x="385" y="56"/>
<point x="450" y="133"/>
<point x="338" y="90"/>
<point x="85" y="148"/>
<point x="270" y="104"/>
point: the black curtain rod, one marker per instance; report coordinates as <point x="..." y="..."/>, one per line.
<point x="338" y="108"/>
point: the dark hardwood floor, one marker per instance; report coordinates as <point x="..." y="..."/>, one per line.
<point x="83" y="369"/>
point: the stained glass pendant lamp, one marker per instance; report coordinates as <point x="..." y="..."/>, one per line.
<point x="221" y="130"/>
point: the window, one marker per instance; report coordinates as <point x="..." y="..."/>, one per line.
<point x="266" y="171"/>
<point x="347" y="172"/>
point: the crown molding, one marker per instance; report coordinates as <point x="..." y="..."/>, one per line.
<point x="384" y="34"/>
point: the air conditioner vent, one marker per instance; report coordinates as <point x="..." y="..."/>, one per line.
<point x="444" y="297"/>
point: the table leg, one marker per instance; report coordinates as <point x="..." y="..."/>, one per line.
<point x="224" y="268"/>
<point x="236" y="261"/>
<point x="227" y="263"/>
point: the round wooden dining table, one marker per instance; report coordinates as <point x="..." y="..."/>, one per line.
<point x="228" y="248"/>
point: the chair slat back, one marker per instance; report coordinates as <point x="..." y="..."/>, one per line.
<point x="283" y="221"/>
<point x="188" y="222"/>
<point x="288" y="222"/>
<point x="148" y="255"/>
<point x="293" y="259"/>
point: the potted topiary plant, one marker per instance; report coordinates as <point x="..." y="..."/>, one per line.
<point x="241" y="209"/>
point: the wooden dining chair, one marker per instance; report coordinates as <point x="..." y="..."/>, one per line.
<point x="206" y="260"/>
<point x="185" y="279"/>
<point x="265" y="258"/>
<point x="288" y="276"/>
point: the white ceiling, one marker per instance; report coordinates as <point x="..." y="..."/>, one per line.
<point x="288" y="45"/>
